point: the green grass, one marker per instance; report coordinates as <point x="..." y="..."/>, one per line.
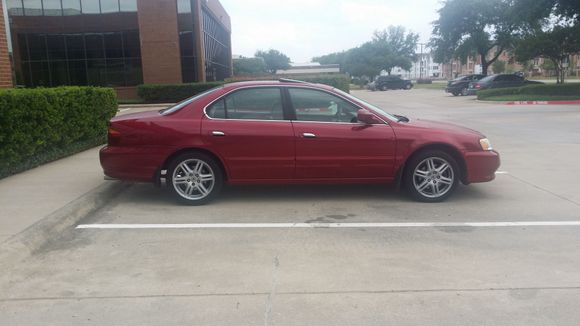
<point x="525" y="97"/>
<point x="437" y="86"/>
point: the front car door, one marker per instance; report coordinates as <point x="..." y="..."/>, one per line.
<point x="248" y="130"/>
<point x="332" y="144"/>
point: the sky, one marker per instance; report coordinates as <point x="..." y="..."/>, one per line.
<point x="303" y="29"/>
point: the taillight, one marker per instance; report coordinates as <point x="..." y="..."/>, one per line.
<point x="113" y="137"/>
<point x="477" y="86"/>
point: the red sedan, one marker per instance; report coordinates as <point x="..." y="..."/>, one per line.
<point x="287" y="131"/>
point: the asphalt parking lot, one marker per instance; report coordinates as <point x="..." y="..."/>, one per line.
<point x="369" y="274"/>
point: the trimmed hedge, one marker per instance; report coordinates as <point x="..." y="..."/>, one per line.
<point x="172" y="93"/>
<point x="44" y="124"/>
<point x="551" y="90"/>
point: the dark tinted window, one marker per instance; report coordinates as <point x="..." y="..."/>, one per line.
<point x="56" y="47"/>
<point x="94" y="46"/>
<point x="251" y="104"/>
<point x="314" y="105"/>
<point x="71" y="7"/>
<point x="52" y="7"/>
<point x="90" y="6"/>
<point x="114" y="45"/>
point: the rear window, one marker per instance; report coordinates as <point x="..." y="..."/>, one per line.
<point x="185" y="102"/>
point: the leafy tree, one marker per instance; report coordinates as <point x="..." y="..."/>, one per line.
<point x="389" y="48"/>
<point x="249" y="66"/>
<point x="473" y="27"/>
<point x="498" y="67"/>
<point x="274" y="60"/>
<point x="557" y="44"/>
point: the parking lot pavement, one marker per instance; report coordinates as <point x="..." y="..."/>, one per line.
<point x="458" y="275"/>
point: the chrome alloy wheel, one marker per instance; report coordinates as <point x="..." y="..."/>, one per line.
<point x="193" y="179"/>
<point x="433" y="177"/>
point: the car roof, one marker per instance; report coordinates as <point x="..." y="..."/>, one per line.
<point x="280" y="82"/>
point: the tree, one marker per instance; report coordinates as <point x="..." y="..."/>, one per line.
<point x="557" y="44"/>
<point x="473" y="27"/>
<point x="498" y="67"/>
<point x="274" y="60"/>
<point x="249" y="66"/>
<point x="389" y="48"/>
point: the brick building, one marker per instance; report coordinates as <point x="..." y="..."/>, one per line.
<point x="5" y="68"/>
<point x="119" y="43"/>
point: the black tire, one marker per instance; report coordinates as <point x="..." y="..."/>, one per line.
<point x="464" y="91"/>
<point x="433" y="180"/>
<point x="194" y="179"/>
<point x="455" y="94"/>
<point x="384" y="88"/>
<point x="408" y="86"/>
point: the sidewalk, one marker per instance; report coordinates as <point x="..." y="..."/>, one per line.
<point x="28" y="197"/>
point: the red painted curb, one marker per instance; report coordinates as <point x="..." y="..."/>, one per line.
<point x="543" y="102"/>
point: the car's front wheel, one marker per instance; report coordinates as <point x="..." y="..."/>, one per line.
<point x="195" y="178"/>
<point x="431" y="176"/>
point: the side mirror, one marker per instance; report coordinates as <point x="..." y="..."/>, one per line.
<point x="367" y="117"/>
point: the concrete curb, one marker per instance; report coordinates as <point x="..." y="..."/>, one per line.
<point x="25" y="243"/>
<point x="530" y="102"/>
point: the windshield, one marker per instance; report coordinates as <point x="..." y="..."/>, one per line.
<point x="370" y="106"/>
<point x="185" y="102"/>
<point x="461" y="78"/>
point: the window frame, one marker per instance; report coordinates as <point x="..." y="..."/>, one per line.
<point x="285" y="116"/>
<point x="292" y="109"/>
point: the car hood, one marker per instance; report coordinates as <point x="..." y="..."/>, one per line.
<point x="443" y="126"/>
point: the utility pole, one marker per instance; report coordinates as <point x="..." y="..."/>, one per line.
<point x="421" y="61"/>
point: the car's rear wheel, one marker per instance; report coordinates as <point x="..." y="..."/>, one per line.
<point x="431" y="176"/>
<point x="195" y="178"/>
<point x="455" y="94"/>
<point x="464" y="91"/>
<point x="384" y="88"/>
<point x="408" y="86"/>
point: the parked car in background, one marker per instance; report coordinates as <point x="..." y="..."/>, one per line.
<point x="290" y="132"/>
<point x="460" y="85"/>
<point x="499" y="81"/>
<point x="383" y="83"/>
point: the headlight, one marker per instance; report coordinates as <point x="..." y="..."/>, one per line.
<point x="485" y="144"/>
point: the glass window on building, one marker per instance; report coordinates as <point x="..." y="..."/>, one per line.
<point x="128" y="5"/>
<point x="183" y="6"/>
<point x="90" y="7"/>
<point x="114" y="45"/>
<point x="14" y="7"/>
<point x="32" y="7"/>
<point x="52" y="7"/>
<point x="109" y="6"/>
<point x="71" y="7"/>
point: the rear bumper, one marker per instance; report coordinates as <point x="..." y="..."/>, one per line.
<point x="128" y="163"/>
<point x="481" y="166"/>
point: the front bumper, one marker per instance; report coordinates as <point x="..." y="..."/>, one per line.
<point x="481" y="166"/>
<point x="450" y="89"/>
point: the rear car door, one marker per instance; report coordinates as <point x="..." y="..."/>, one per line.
<point x="332" y="144"/>
<point x="248" y="130"/>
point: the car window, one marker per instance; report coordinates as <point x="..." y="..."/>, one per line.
<point x="313" y="105"/>
<point x="249" y="104"/>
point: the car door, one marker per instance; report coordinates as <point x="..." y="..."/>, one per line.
<point x="248" y="130"/>
<point x="332" y="144"/>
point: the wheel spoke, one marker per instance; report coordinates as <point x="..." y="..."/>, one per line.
<point x="430" y="164"/>
<point x="421" y="173"/>
<point x="185" y="168"/>
<point x="445" y="180"/>
<point x="198" y="167"/>
<point x="441" y="169"/>
<point x="206" y="177"/>
<point x="435" y="188"/>
<point x="202" y="189"/>
<point x="422" y="187"/>
<point x="189" y="189"/>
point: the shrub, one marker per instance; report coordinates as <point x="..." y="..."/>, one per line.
<point x="44" y="124"/>
<point x="553" y="90"/>
<point x="171" y="93"/>
<point x="424" y="81"/>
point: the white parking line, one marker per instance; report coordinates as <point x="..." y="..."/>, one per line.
<point x="501" y="172"/>
<point x="324" y="225"/>
<point x="123" y="110"/>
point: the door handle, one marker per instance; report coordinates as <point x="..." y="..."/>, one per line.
<point x="218" y="133"/>
<point x="308" y="135"/>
